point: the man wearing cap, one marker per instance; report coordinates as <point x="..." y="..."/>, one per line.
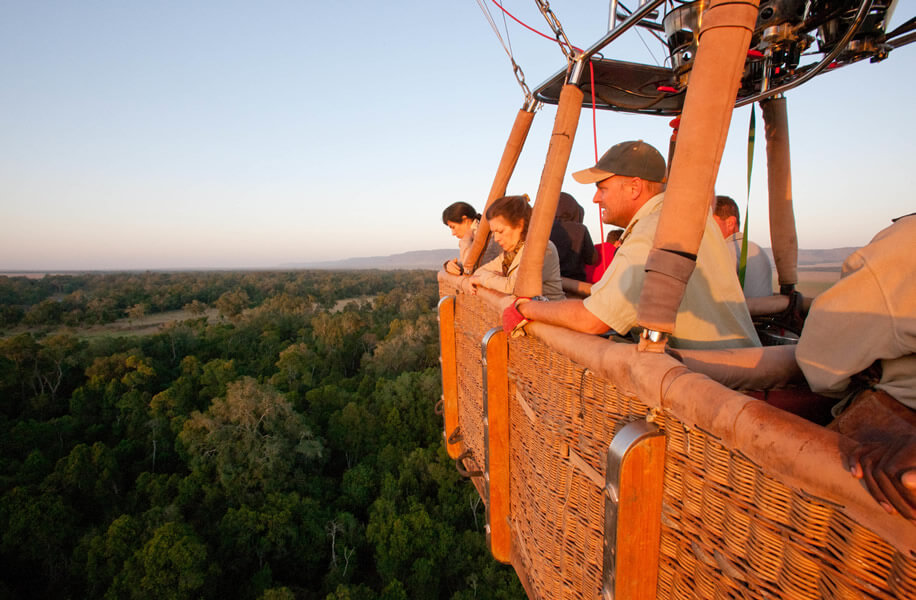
<point x="630" y="179"/>
<point x="758" y="275"/>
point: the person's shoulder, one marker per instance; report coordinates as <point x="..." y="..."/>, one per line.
<point x="647" y="217"/>
<point x="755" y="248"/>
<point x="552" y="254"/>
<point x="896" y="240"/>
<point x="654" y="204"/>
<point x="906" y="223"/>
<point x="639" y="238"/>
<point x="492" y="265"/>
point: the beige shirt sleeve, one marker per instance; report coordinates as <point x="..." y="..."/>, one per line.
<point x="491" y="276"/>
<point x="847" y="328"/>
<point x="868" y="315"/>
<point x="464" y="247"/>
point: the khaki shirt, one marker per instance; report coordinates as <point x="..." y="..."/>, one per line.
<point x="868" y="315"/>
<point x="491" y="274"/>
<point x="713" y="312"/>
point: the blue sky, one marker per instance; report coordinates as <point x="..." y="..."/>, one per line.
<point x="238" y="134"/>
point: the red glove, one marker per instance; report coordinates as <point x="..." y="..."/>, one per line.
<point x="513" y="321"/>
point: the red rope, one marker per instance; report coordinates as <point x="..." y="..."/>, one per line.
<point x="529" y="28"/>
<point x="591" y="72"/>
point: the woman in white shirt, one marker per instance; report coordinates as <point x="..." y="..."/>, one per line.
<point x="462" y="220"/>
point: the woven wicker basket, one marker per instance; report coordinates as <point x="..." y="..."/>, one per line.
<point x="730" y="528"/>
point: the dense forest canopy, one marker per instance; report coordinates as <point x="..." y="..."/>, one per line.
<point x="269" y="442"/>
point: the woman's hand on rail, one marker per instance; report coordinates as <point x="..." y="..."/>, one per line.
<point x="452" y="267"/>
<point x="475" y="282"/>
<point x="888" y="468"/>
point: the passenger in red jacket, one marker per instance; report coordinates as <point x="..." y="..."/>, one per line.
<point x="605" y="254"/>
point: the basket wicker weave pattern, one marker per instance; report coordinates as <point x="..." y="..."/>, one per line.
<point x="562" y="415"/>
<point x="729" y="530"/>
<point x="736" y="532"/>
<point x="476" y="319"/>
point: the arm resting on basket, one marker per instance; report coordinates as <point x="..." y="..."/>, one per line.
<point x="889" y="471"/>
<point x="884" y="456"/>
<point x="571" y="314"/>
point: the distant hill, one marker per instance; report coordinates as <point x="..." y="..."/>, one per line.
<point x="831" y="258"/>
<point x="826" y="259"/>
<point x="417" y="259"/>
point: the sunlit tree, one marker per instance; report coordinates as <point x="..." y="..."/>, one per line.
<point x="251" y="441"/>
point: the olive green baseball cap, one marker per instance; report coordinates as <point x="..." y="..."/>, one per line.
<point x="630" y="159"/>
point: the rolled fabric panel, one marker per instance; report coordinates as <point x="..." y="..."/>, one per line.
<point x="672" y="272"/>
<point x="511" y="152"/>
<point x="728" y="14"/>
<point x="675" y="265"/>
<point x="779" y="182"/>
<point x="725" y="36"/>
<point x="767" y="305"/>
<point x="746" y="368"/>
<point x="771" y="305"/>
<point x="545" y="206"/>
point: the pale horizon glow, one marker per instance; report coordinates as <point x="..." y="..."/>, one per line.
<point x="232" y="135"/>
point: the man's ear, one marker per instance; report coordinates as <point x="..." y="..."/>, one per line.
<point x="636" y="186"/>
<point x="732" y="225"/>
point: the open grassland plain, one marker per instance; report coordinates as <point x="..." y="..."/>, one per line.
<point x="812" y="281"/>
<point x="148" y="324"/>
<point x="124" y="327"/>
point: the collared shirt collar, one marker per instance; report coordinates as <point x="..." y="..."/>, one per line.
<point x="649" y="207"/>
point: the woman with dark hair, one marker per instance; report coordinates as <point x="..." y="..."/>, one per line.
<point x="462" y="220"/>
<point x="508" y="218"/>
